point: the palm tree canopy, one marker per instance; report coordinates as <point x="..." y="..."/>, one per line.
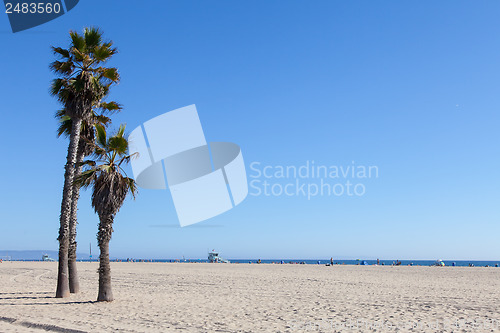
<point x="99" y="116"/>
<point x="84" y="80"/>
<point x="104" y="172"/>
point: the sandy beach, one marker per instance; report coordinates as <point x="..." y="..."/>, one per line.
<point x="168" y="297"/>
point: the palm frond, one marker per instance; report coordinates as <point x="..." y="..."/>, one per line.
<point x="126" y="159"/>
<point x="111" y="74"/>
<point x="105" y="167"/>
<point x="86" y="178"/>
<point x="59" y="51"/>
<point x="118" y="144"/>
<point x="110" y="107"/>
<point x="78" y="42"/>
<point x="132" y="187"/>
<point x="99" y="152"/>
<point x="121" y="131"/>
<point x="56" y="86"/>
<point x="62" y="67"/>
<point x="103" y="53"/>
<point x="101" y="136"/>
<point x="92" y="37"/>
<point x="89" y="163"/>
<point x="78" y="55"/>
<point x="102" y="119"/>
<point x="59" y="114"/>
<point x="65" y="126"/>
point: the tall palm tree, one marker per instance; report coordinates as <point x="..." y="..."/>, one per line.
<point x="110" y="184"/>
<point x="83" y="81"/>
<point x="84" y="149"/>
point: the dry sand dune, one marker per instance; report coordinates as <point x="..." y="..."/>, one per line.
<point x="169" y="297"/>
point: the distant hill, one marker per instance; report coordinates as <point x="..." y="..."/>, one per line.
<point x="37" y="255"/>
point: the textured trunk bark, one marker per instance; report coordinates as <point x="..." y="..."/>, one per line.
<point x="62" y="276"/>
<point x="74" y="285"/>
<point x="103" y="237"/>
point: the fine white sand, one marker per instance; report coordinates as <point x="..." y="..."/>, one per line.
<point x="168" y="297"/>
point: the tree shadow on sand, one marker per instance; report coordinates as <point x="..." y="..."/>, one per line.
<point x="36" y="296"/>
<point x="24" y="297"/>
<point x="53" y="303"/>
<point x="32" y="293"/>
<point x="45" y="327"/>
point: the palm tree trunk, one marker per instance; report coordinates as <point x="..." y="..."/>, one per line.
<point x="74" y="285"/>
<point x="62" y="276"/>
<point x="103" y="238"/>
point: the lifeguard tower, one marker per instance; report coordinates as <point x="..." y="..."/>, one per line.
<point x="213" y="257"/>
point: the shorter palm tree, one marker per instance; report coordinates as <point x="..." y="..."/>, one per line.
<point x="110" y="186"/>
<point x="85" y="148"/>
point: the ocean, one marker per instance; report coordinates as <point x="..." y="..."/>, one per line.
<point x="458" y="263"/>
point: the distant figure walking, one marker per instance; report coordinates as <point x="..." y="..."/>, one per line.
<point x="331" y="261"/>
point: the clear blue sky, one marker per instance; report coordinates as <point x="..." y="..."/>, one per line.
<point x="409" y="86"/>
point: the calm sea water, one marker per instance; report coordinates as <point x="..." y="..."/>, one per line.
<point x="459" y="263"/>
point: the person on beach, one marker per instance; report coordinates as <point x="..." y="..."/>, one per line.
<point x="331" y="261"/>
